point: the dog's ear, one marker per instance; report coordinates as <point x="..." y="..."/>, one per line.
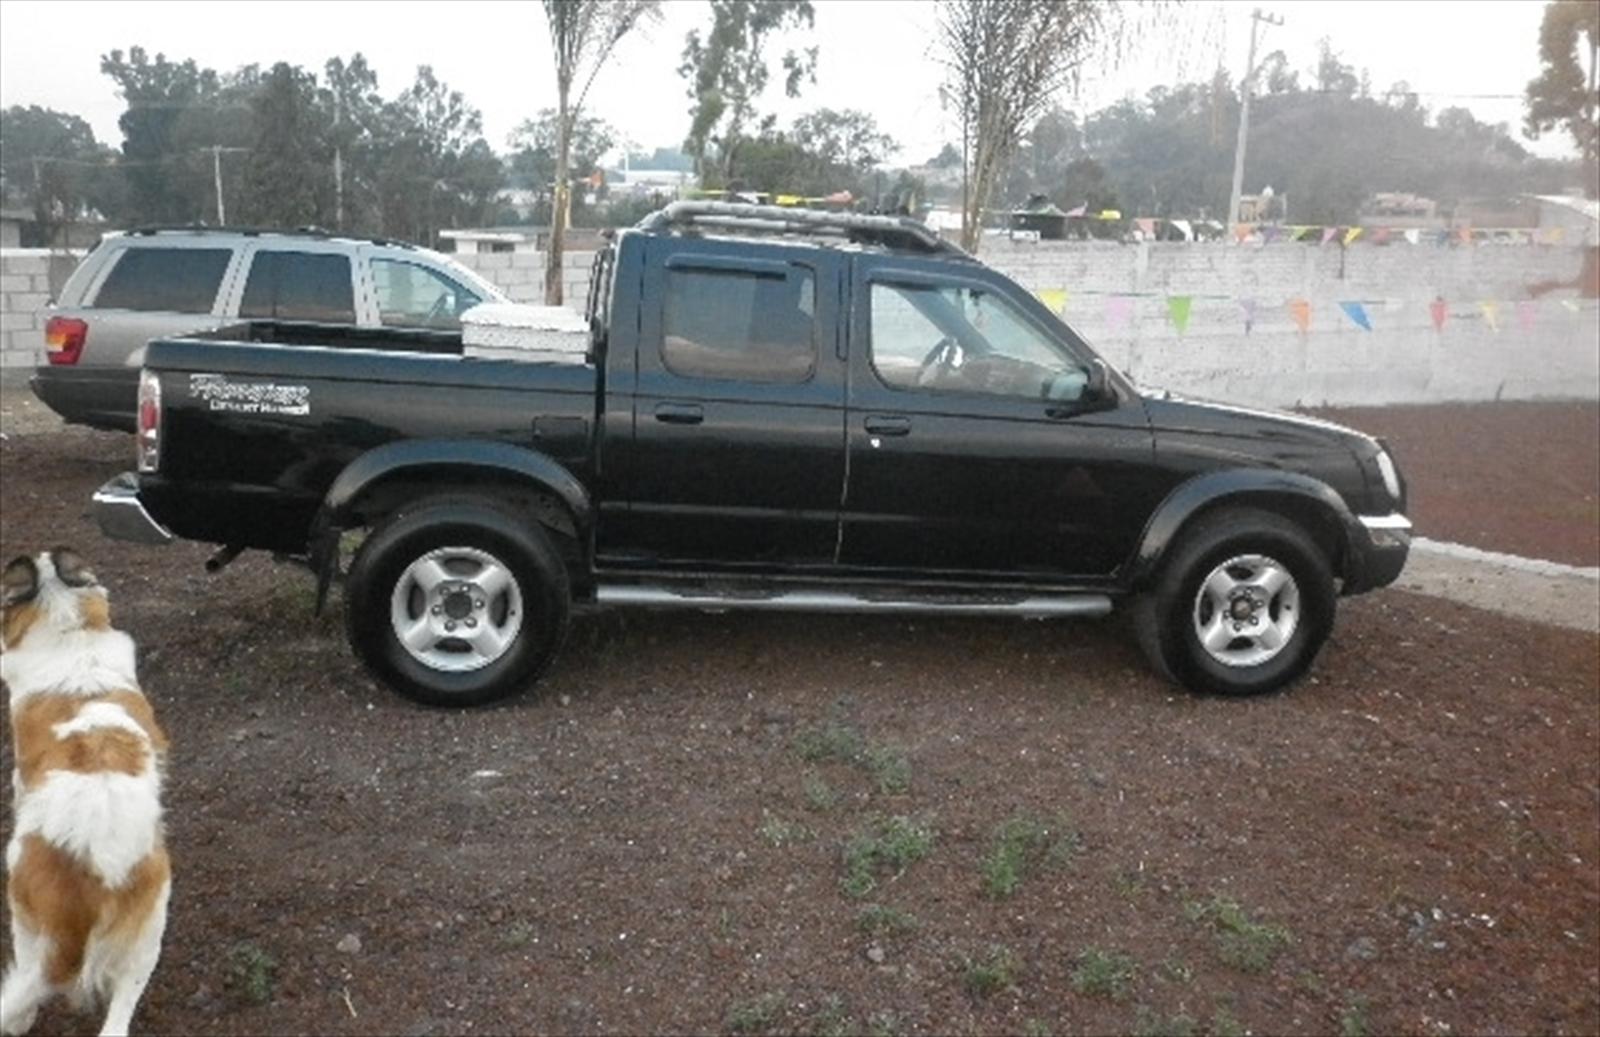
<point x="71" y="568"/>
<point x="20" y="582"/>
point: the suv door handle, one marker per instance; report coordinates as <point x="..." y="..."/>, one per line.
<point x="680" y="413"/>
<point x="887" y="425"/>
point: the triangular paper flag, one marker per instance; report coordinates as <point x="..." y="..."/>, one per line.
<point x="1182" y="227"/>
<point x="1249" y="308"/>
<point x="1147" y="226"/>
<point x="1178" y="310"/>
<point x="1079" y="211"/>
<point x="1556" y="234"/>
<point x="1300" y="310"/>
<point x="1443" y="239"/>
<point x="1328" y="234"/>
<point x="1525" y="315"/>
<point x="1439" y="310"/>
<point x="1357" y="313"/>
<point x="1270" y="234"/>
<point x="1381" y="236"/>
<point x="1465" y="235"/>
<point x="1414" y="235"/>
<point x="1491" y="313"/>
<point x="1352" y="234"/>
<point x="1296" y="233"/>
<point x="1055" y="299"/>
<point x="1109" y="214"/>
<point x="1570" y="305"/>
<point x="1119" y="308"/>
<point x="1241" y="231"/>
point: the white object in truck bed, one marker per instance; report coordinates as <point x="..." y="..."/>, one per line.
<point x="517" y="331"/>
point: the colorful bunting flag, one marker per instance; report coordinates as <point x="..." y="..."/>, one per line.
<point x="1270" y="234"/>
<point x="1119" y="310"/>
<point x="1414" y="236"/>
<point x="1249" y="308"/>
<point x="1465" y="234"/>
<point x="1381" y="236"/>
<point x="1570" y="305"/>
<point x="1178" y="310"/>
<point x="1182" y="227"/>
<point x="1357" y="313"/>
<point x="1079" y="211"/>
<point x="1241" y="231"/>
<point x="1491" y="314"/>
<point x="1110" y="214"/>
<point x="1298" y="233"/>
<point x="1439" y="310"/>
<point x="1525" y="315"/>
<point x="1556" y="234"/>
<point x="1352" y="234"/>
<point x="1147" y="226"/>
<point x="1328" y="234"/>
<point x="1053" y="298"/>
<point x="1300" y="310"/>
<point x="1443" y="238"/>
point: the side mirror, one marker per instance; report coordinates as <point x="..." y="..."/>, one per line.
<point x="1098" y="386"/>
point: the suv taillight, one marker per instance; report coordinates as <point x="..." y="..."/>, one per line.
<point x="148" y="437"/>
<point x="64" y="338"/>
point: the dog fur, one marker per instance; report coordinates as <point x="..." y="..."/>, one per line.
<point x="88" y="877"/>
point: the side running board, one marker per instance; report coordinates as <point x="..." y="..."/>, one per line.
<point x="1032" y="607"/>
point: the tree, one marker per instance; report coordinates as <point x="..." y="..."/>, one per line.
<point x="353" y="109"/>
<point x="431" y="164"/>
<point x="727" y="73"/>
<point x="535" y="141"/>
<point x="286" y="182"/>
<point x="583" y="34"/>
<point x="168" y="182"/>
<point x="1006" y="61"/>
<point x="1558" y="97"/>
<point x="51" y="163"/>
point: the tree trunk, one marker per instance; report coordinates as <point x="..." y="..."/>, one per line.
<point x="559" y="200"/>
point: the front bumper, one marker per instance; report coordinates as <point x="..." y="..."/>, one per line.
<point x="120" y="513"/>
<point x="1379" y="547"/>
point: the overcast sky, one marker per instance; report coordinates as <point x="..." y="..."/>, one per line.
<point x="874" y="54"/>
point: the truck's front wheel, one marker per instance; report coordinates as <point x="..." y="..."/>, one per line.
<point x="456" y="602"/>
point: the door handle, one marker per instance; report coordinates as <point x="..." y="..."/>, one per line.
<point x="887" y="425"/>
<point x="680" y="413"/>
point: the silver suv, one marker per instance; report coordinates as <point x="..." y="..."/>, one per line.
<point x="157" y="282"/>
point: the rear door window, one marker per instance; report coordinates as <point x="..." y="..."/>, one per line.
<point x="309" y="286"/>
<point x="412" y="296"/>
<point x="738" y="325"/>
<point x="167" y="280"/>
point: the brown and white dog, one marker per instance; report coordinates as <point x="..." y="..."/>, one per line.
<point x="88" y="871"/>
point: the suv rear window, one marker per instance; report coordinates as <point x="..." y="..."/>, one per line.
<point x="171" y="280"/>
<point x="311" y="286"/>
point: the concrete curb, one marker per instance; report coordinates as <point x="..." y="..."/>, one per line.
<point x="1524" y="588"/>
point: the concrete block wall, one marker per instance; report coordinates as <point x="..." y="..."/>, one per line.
<point x="29" y="279"/>
<point x="1547" y="348"/>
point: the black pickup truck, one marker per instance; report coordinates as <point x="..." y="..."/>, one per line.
<point x="780" y="409"/>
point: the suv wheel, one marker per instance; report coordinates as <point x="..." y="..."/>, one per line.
<point x="1244" y="602"/>
<point x="454" y="602"/>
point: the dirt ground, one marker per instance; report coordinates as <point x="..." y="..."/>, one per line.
<point x="675" y="831"/>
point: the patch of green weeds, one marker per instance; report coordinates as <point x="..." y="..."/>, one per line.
<point x="1176" y="970"/>
<point x="1223" y="1024"/>
<point x="754" y="1015"/>
<point x="1242" y="942"/>
<point x="778" y="832"/>
<point x="883" y="847"/>
<point x="252" y="972"/>
<point x="831" y="1019"/>
<point x="1021" y="844"/>
<point x="1152" y="1024"/>
<point x="881" y="921"/>
<point x="889" y="767"/>
<point x="1353" y="1020"/>
<point x="1131" y="884"/>
<point x="819" y="794"/>
<point x="1098" y="973"/>
<point x="516" y="935"/>
<point x="995" y="971"/>
<point x="883" y="1024"/>
<point x="1036" y="1028"/>
<point x="830" y="741"/>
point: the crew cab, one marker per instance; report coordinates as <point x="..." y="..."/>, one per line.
<point x="156" y="282"/>
<point x="777" y="409"/>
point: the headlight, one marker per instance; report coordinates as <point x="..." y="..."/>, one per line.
<point x="1391" y="478"/>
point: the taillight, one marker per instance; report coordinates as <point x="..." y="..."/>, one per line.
<point x="148" y="437"/>
<point x="64" y="338"/>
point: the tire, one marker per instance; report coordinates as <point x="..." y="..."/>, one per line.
<point x="1246" y="565"/>
<point x="491" y="576"/>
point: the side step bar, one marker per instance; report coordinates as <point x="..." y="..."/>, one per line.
<point x="1035" y="607"/>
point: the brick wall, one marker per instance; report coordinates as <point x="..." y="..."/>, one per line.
<point x="1547" y="349"/>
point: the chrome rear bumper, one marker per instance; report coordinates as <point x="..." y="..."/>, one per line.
<point x="121" y="516"/>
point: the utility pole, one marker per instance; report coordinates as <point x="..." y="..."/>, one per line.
<point x="338" y="162"/>
<point x="216" y="175"/>
<point x="1256" y="18"/>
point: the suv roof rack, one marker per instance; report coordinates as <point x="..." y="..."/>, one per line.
<point x="292" y="232"/>
<point x="893" y="232"/>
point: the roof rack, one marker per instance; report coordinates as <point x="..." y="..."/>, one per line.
<point x="292" y="232"/>
<point x="894" y="232"/>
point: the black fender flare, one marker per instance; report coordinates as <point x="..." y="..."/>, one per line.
<point x="506" y="461"/>
<point x="1240" y="485"/>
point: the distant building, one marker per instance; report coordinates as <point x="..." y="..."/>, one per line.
<point x="1577" y="216"/>
<point x="1401" y="211"/>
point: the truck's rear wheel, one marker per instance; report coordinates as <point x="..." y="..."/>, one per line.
<point x="456" y="602"/>
<point x="1242" y="605"/>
